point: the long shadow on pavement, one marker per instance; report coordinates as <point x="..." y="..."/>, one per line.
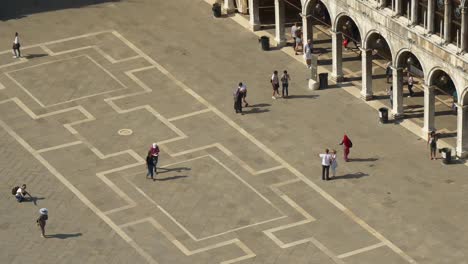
<point x="171" y="178"/>
<point x="178" y="169"/>
<point x="63" y="236"/>
<point x="356" y="175"/>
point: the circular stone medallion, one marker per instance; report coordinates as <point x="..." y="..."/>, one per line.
<point x="125" y="132"/>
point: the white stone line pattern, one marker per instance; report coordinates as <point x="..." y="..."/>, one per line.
<point x="88" y="117"/>
<point x="78" y="194"/>
<point x="267" y="150"/>
<point x="219" y="234"/>
<point x="248" y="253"/>
<point x="361" y="250"/>
<point x="64" y="102"/>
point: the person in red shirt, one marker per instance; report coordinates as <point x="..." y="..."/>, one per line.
<point x="347" y="144"/>
<point x="154" y="152"/>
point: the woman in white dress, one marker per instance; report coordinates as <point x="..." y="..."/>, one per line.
<point x="333" y="163"/>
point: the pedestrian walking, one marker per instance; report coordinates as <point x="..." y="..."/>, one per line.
<point x="150" y="165"/>
<point x="293" y="33"/>
<point x="285" y="78"/>
<point x="347" y="144"/>
<point x="298" y="46"/>
<point x="390" y="95"/>
<point x="333" y="163"/>
<point x="326" y="158"/>
<point x="154" y="150"/>
<point x="20" y="193"/>
<point x="454" y="101"/>
<point x="432" y="142"/>
<point x="16" y="46"/>
<point x="410" y="84"/>
<point x="238" y="96"/>
<point x="388" y="71"/>
<point x="243" y="90"/>
<point x="308" y="53"/>
<point x="275" y="84"/>
<point x="42" y="219"/>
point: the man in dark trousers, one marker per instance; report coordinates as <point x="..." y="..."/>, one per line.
<point x="326" y="158"/>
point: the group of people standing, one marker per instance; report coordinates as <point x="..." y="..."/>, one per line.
<point x="329" y="160"/>
<point x="297" y="38"/>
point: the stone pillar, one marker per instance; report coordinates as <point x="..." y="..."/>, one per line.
<point x="279" y="22"/>
<point x="254" y="15"/>
<point x="397" y="7"/>
<point x="462" y="131"/>
<point x="414" y="12"/>
<point x="463" y="31"/>
<point x="429" y="108"/>
<point x="397" y="83"/>
<point x="337" y="56"/>
<point x="366" y="91"/>
<point x="430" y="15"/>
<point x="447" y="19"/>
<point x="228" y="6"/>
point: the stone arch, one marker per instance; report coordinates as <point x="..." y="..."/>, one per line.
<point x="433" y="73"/>
<point x="338" y="19"/>
<point x="307" y="6"/>
<point x="402" y="55"/>
<point x="368" y="37"/>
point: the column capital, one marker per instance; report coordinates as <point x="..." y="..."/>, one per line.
<point x="396" y="68"/>
<point x="334" y="32"/>
<point x="430" y="88"/>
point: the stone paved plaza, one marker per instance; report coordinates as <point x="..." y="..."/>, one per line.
<point x="98" y="84"/>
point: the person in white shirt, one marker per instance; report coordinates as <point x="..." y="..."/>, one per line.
<point x="21" y="193"/>
<point x="326" y="161"/>
<point x="410" y="84"/>
<point x="275" y="84"/>
<point x="293" y="33"/>
<point x="333" y="163"/>
<point x="308" y="53"/>
<point x="16" y="47"/>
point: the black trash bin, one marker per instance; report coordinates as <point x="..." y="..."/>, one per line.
<point x="323" y="80"/>
<point x="265" y="42"/>
<point x="383" y="115"/>
<point x="446" y="155"/>
<point x="216" y="10"/>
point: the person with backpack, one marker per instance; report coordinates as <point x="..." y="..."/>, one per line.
<point x="20" y="193"/>
<point x="347" y="144"/>
<point x="42" y="219"/>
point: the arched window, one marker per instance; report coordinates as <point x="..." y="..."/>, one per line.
<point x="439" y="16"/>
<point x="422" y="12"/>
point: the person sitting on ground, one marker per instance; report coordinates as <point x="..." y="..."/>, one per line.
<point x="21" y="193"/>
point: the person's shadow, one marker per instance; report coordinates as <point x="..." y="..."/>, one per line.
<point x="178" y="169"/>
<point x="63" y="236"/>
<point x="356" y="175"/>
<point x="171" y="178"/>
<point x="33" y="199"/>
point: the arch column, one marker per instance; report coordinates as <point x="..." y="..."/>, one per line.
<point x="429" y="108"/>
<point x="254" y="15"/>
<point x="462" y="131"/>
<point x="279" y="22"/>
<point x="397" y="82"/>
<point x="414" y="12"/>
<point x="463" y="33"/>
<point x="228" y="6"/>
<point x="366" y="91"/>
<point x="447" y="19"/>
<point x="337" y="56"/>
<point x="430" y="15"/>
<point x="307" y="29"/>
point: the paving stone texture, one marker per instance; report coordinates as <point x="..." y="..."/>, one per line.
<point x="98" y="84"/>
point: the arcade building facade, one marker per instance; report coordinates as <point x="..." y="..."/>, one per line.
<point x="428" y="38"/>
